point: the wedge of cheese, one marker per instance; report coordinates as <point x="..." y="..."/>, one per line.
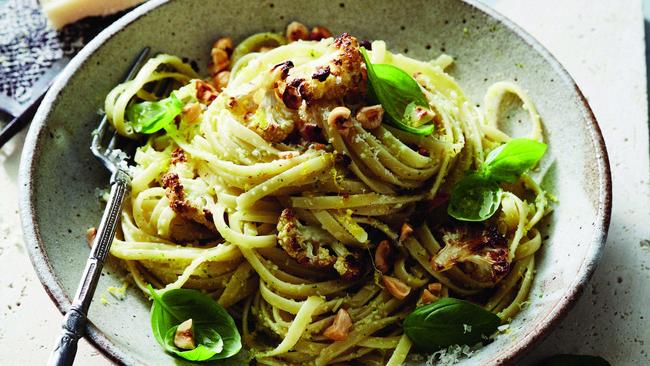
<point x="62" y="12"/>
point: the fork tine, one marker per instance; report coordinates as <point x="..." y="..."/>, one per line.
<point x="112" y="142"/>
<point x="101" y="135"/>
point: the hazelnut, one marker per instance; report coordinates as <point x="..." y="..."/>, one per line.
<point x="405" y="232"/>
<point x="370" y="117"/>
<point x="297" y="31"/>
<point x="435" y="288"/>
<point x="339" y="118"/>
<point x="431" y="293"/>
<point x="395" y="287"/>
<point x="205" y="93"/>
<point x="318" y="33"/>
<point x="220" y="61"/>
<point x="427" y="297"/>
<point x="382" y="256"/>
<point x="191" y="112"/>
<point x="220" y="81"/>
<point x="340" y="328"/>
<point x="419" y="115"/>
<point x="224" y="43"/>
<point x="184" y="337"/>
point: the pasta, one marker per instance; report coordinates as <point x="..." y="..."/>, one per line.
<point x="271" y="195"/>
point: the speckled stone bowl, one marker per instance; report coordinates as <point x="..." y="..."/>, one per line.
<point x="59" y="176"/>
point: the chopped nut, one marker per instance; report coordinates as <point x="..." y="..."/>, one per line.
<point x="205" y="93"/>
<point x="90" y="236"/>
<point x="339" y="118"/>
<point x="419" y="115"/>
<point x="220" y="61"/>
<point x="405" y="232"/>
<point x="191" y="112"/>
<point x="435" y="288"/>
<point x="382" y="256"/>
<point x="297" y="31"/>
<point x="318" y="33"/>
<point x="397" y="288"/>
<point x="370" y="117"/>
<point x="184" y="337"/>
<point x="224" y="43"/>
<point x="220" y="81"/>
<point x="431" y="293"/>
<point x="340" y="328"/>
<point x="427" y="297"/>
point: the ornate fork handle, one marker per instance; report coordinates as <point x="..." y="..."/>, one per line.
<point x="75" y="320"/>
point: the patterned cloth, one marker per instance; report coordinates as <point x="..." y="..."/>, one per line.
<point x="29" y="45"/>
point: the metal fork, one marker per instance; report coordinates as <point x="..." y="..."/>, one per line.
<point x="105" y="147"/>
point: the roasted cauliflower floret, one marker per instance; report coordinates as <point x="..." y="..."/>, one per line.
<point x="262" y="108"/>
<point x="349" y="266"/>
<point x="187" y="202"/>
<point x="309" y="246"/>
<point x="334" y="76"/>
<point x="481" y="248"/>
<point x="272" y="105"/>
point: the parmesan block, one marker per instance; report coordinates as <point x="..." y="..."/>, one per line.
<point x="62" y="12"/>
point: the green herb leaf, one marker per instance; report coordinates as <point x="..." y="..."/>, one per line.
<point x="150" y="117"/>
<point x="574" y="360"/>
<point x="474" y="198"/>
<point x="477" y="196"/>
<point x="215" y="331"/>
<point x="394" y="89"/>
<point x="509" y="161"/>
<point x="447" y="322"/>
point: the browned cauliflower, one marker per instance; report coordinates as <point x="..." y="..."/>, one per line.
<point x="188" y="204"/>
<point x="481" y="249"/>
<point x="338" y="75"/>
<point x="308" y="246"/>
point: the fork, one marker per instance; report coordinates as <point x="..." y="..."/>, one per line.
<point x="104" y="146"/>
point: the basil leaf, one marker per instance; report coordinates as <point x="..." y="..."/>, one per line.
<point x="209" y="318"/>
<point x="448" y="322"/>
<point x="150" y="117"/>
<point x="474" y="198"/>
<point x="509" y="161"/>
<point x="394" y="89"/>
<point x="574" y="360"/>
<point x="209" y="342"/>
<point x="477" y="196"/>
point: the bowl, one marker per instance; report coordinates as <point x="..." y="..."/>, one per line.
<point x="59" y="176"/>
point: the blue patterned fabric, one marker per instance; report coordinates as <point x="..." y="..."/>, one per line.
<point x="29" y="45"/>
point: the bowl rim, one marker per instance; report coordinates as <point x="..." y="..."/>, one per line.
<point x="514" y="351"/>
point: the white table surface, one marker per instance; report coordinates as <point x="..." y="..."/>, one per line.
<point x="601" y="43"/>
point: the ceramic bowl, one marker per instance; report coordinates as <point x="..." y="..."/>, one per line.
<point x="60" y="176"/>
